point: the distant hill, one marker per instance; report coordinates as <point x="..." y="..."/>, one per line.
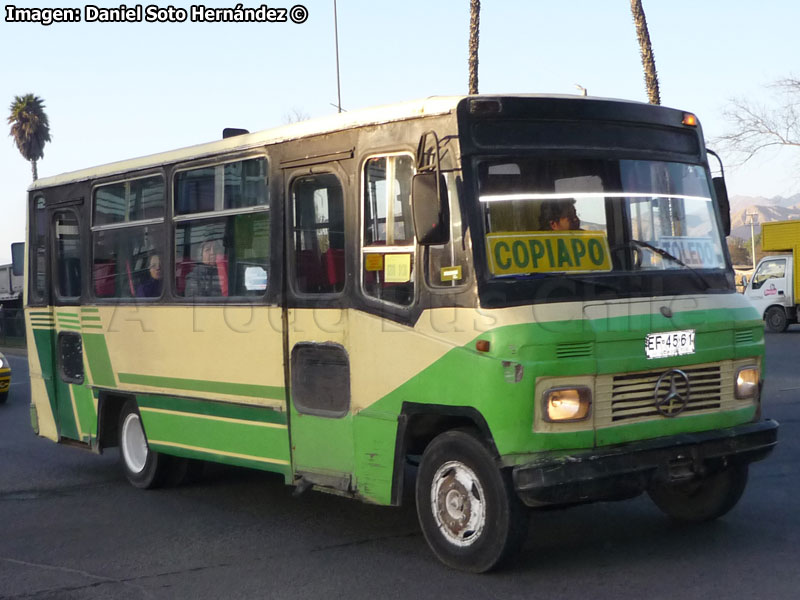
<point x="740" y="202"/>
<point x="777" y="208"/>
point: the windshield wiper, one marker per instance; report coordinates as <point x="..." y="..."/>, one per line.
<point x="664" y="254"/>
<point x="564" y="275"/>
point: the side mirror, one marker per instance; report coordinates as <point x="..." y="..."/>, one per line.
<point x="18" y="259"/>
<point x="431" y="208"/>
<point x="721" y="191"/>
<point x="744" y="281"/>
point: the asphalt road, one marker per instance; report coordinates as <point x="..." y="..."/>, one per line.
<point x="72" y="527"/>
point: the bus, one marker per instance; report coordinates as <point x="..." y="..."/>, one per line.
<point x="524" y="301"/>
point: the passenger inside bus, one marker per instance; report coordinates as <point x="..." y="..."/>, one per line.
<point x="559" y="215"/>
<point x="151" y="286"/>
<point x="205" y="280"/>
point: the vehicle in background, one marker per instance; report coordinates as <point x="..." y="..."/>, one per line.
<point x="774" y="289"/>
<point x="5" y="378"/>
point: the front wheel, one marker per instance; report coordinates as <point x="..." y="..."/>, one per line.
<point x="468" y="511"/>
<point x="776" y="320"/>
<point x="704" y="499"/>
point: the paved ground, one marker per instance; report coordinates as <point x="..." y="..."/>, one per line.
<point x="71" y="527"/>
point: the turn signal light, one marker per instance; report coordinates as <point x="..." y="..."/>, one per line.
<point x="689" y="119"/>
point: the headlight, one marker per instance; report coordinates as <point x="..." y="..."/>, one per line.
<point x="567" y="404"/>
<point x="4" y="364"/>
<point x="746" y="382"/>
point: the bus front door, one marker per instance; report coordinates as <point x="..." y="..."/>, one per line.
<point x="320" y="418"/>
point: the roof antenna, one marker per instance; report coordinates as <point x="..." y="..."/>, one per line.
<point x="336" y="36"/>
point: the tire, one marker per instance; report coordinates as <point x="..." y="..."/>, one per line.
<point x="467" y="508"/>
<point x="3" y="397"/>
<point x="703" y="500"/>
<point x="776" y="320"/>
<point x="144" y="468"/>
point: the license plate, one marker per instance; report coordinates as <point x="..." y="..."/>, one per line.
<point x="669" y="343"/>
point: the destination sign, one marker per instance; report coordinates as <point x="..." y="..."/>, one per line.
<point x="547" y="252"/>
<point x="694" y="251"/>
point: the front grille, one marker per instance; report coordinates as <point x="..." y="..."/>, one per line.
<point x="630" y="396"/>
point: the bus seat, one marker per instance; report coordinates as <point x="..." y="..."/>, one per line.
<point x="131" y="287"/>
<point x="104" y="274"/>
<point x="308" y="270"/>
<point x="222" y="272"/>
<point x="182" y="269"/>
<point x="334" y="268"/>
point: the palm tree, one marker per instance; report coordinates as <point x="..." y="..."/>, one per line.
<point x="648" y="60"/>
<point x="474" y="25"/>
<point x="29" y="128"/>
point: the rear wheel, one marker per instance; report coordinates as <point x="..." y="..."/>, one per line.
<point x="467" y="508"/>
<point x="143" y="468"/>
<point x="776" y="320"/>
<point x="705" y="499"/>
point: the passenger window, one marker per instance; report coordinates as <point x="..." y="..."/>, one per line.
<point x="219" y="256"/>
<point x="224" y="256"/>
<point x="234" y="185"/>
<point x="387" y="255"/>
<point x="128" y="262"/>
<point x="127" y="239"/>
<point x="128" y="201"/>
<point x="39" y="250"/>
<point x="68" y="254"/>
<point x="318" y="234"/>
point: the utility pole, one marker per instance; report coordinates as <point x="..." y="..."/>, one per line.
<point x="752" y="220"/>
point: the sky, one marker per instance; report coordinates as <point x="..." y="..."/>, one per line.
<point x="114" y="91"/>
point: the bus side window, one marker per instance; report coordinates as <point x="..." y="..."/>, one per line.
<point x="387" y="271"/>
<point x="318" y="234"/>
<point x="68" y="254"/>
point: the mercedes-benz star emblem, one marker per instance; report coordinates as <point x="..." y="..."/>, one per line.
<point x="674" y="401"/>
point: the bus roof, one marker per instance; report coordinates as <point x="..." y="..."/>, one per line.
<point x="434" y="105"/>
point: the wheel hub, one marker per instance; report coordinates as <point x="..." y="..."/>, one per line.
<point x="458" y="503"/>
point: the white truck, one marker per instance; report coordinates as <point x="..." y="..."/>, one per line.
<point x="775" y="286"/>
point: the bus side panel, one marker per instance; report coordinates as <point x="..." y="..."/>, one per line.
<point x="248" y="436"/>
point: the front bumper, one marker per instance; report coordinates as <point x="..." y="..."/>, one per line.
<point x="625" y="470"/>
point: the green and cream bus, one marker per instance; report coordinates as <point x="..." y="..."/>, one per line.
<point x="527" y="298"/>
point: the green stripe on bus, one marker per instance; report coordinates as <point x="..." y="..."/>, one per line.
<point x="236" y="441"/>
<point x="89" y="309"/>
<point x="70" y="327"/>
<point x="97" y="356"/>
<point x="259" y="414"/>
<point x="198" y="385"/>
<point x="92" y="327"/>
<point x="84" y="319"/>
<point x="84" y="405"/>
<point x="44" y="339"/>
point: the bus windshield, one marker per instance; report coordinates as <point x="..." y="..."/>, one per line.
<point x="594" y="216"/>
